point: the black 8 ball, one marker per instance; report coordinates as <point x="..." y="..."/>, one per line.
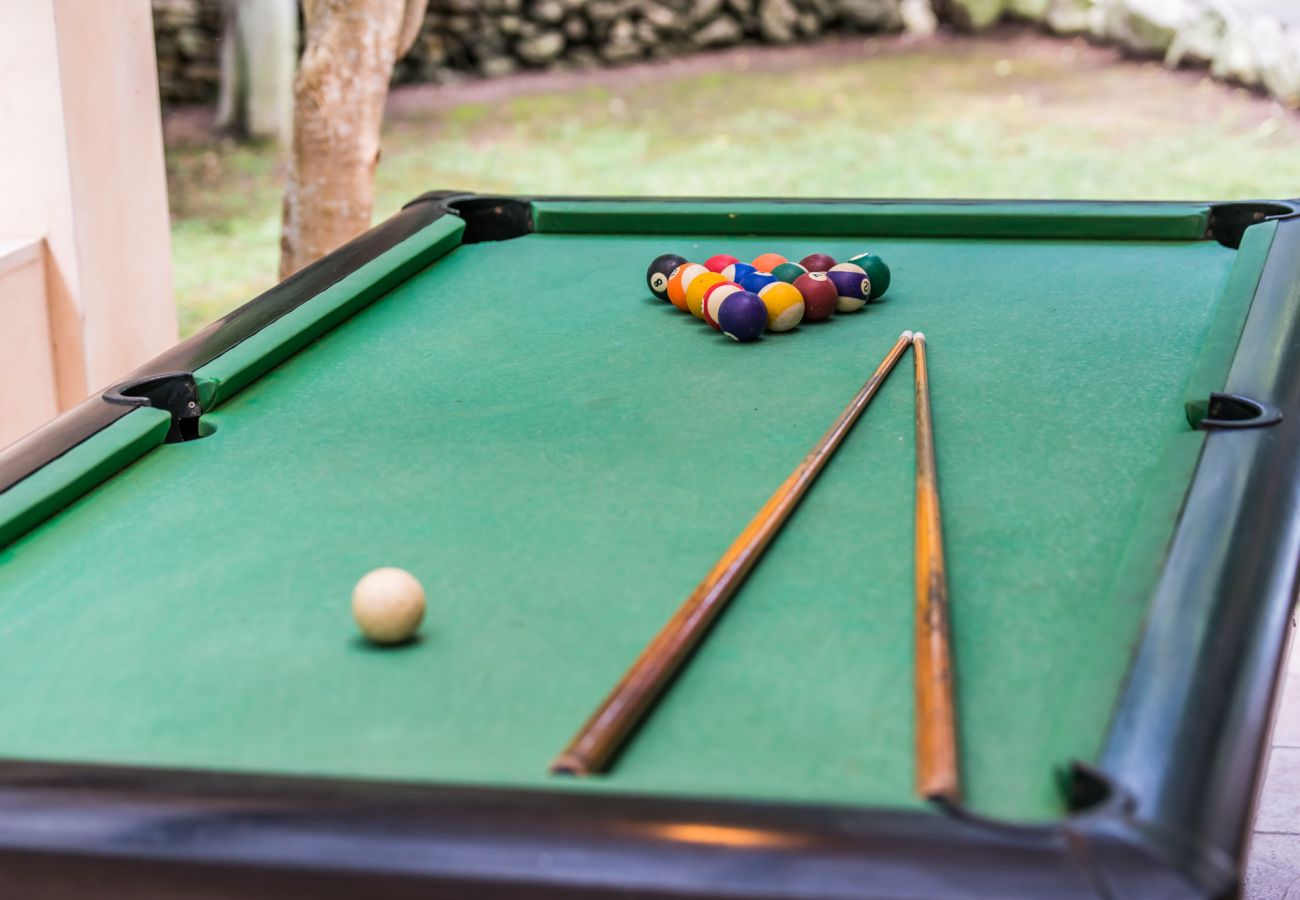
<point x="656" y="277"/>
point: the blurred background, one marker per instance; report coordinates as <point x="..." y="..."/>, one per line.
<point x="867" y="98"/>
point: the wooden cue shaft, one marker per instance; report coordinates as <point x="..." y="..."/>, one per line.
<point x="937" y="775"/>
<point x="603" y="734"/>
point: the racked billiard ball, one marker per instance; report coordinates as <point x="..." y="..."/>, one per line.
<point x="719" y="262"/>
<point x="852" y="287"/>
<point x="819" y="296"/>
<point x="713" y="298"/>
<point x="877" y="270"/>
<point x="756" y="281"/>
<point x="738" y="272"/>
<point x="785" y="306"/>
<point x="742" y="316"/>
<point x="678" y="282"/>
<point x="695" y="293"/>
<point x="788" y="272"/>
<point x="656" y="277"/>
<point x="766" y="262"/>
<point x="817" y="262"/>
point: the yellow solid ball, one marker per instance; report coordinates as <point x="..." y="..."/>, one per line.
<point x="388" y="605"/>
<point x="698" y="287"/>
<point x="784" y="304"/>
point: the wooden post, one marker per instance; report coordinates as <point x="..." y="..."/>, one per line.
<point x="82" y="172"/>
<point x="28" y="397"/>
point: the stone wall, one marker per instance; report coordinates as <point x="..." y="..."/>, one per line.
<point x="495" y="37"/>
<point x="185" y="34"/>
<point x="1241" y="41"/>
<point x="1237" y="40"/>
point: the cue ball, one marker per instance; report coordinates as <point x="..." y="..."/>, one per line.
<point x="388" y="605"/>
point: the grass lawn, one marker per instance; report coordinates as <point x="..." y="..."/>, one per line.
<point x="1018" y="115"/>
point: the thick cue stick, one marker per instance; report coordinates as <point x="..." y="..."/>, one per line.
<point x="604" y="733"/>
<point x="937" y="775"/>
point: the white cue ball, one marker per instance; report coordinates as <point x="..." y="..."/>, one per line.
<point x="388" y="605"/>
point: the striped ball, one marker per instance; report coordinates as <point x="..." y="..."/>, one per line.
<point x="678" y="281"/>
<point x="784" y="304"/>
<point x="852" y="287"/>
<point x="695" y="293"/>
<point x="738" y="272"/>
<point x="713" y="298"/>
<point x="756" y="281"/>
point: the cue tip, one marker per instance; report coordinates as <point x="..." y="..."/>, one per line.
<point x="570" y="764"/>
<point x="905" y="336"/>
<point x="918" y="337"/>
<point x="949" y="799"/>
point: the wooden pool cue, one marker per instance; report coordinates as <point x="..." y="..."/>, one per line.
<point x="937" y="776"/>
<point x="603" y="735"/>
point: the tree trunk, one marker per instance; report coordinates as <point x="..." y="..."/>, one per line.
<point x="259" y="46"/>
<point x="339" y="95"/>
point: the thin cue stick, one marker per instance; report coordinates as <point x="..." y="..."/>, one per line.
<point x="937" y="775"/>
<point x="600" y="738"/>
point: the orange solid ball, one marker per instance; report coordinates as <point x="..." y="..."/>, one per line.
<point x="699" y="286"/>
<point x="766" y="262"/>
<point x="677" y="290"/>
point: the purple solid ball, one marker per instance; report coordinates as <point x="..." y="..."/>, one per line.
<point x="742" y="316"/>
<point x="756" y="281"/>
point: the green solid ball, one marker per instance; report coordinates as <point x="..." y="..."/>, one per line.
<point x="877" y="270"/>
<point x="788" y="272"/>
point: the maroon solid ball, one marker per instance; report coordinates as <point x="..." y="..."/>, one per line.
<point x="818" y="296"/>
<point x="817" y="262"/>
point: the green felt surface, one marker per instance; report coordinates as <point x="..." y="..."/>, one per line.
<point x="560" y="458"/>
<point x="1048" y="220"/>
<point x="71" y="475"/>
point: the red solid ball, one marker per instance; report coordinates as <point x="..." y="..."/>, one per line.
<point x="817" y="262"/>
<point x="719" y="262"/>
<point x="819" y="296"/>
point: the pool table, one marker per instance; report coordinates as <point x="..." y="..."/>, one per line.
<point x="482" y="390"/>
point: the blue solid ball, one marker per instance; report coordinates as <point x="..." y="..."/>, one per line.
<point x="756" y="281"/>
<point x="742" y="316"/>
